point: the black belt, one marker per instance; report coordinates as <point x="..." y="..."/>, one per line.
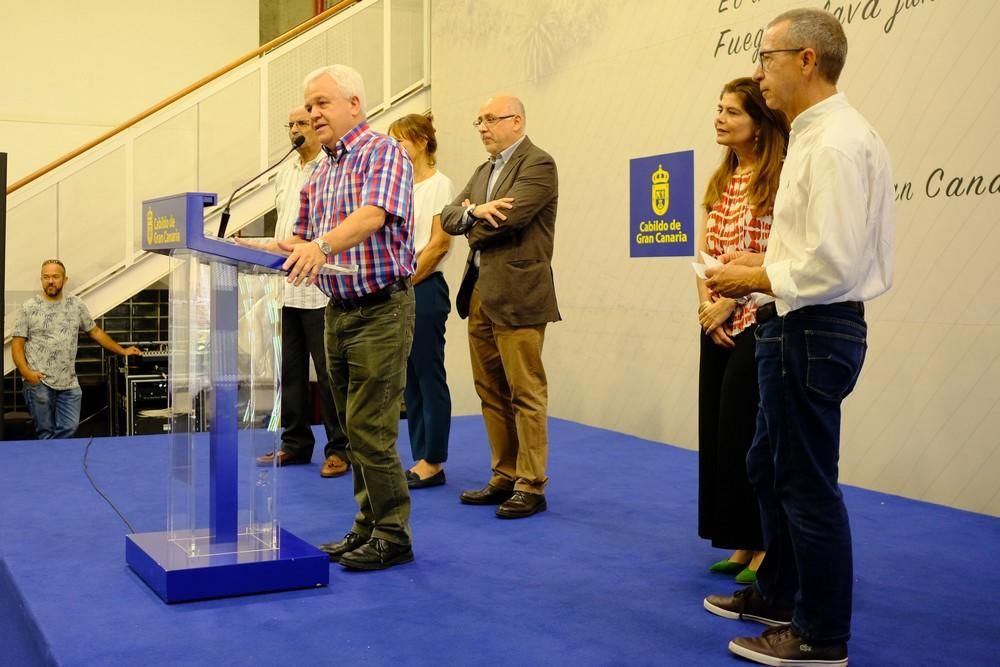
<point x="373" y="299"/>
<point x="769" y="311"/>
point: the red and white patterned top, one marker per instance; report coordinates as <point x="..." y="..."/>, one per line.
<point x="733" y="226"/>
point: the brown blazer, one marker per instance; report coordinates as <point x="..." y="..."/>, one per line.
<point x="515" y="260"/>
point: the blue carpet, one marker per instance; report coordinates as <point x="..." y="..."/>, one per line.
<point x="612" y="574"/>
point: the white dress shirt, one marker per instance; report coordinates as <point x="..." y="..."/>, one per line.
<point x="291" y="177"/>
<point x="834" y="213"/>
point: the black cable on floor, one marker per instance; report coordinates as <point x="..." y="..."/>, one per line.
<point x="86" y="470"/>
<point x="88" y="418"/>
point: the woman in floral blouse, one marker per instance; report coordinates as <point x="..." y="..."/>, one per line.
<point x="738" y="204"/>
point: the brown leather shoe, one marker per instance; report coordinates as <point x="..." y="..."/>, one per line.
<point x="488" y="495"/>
<point x="284" y="459"/>
<point x="748" y="604"/>
<point x="334" y="466"/>
<point x="782" y="646"/>
<point x="521" y="505"/>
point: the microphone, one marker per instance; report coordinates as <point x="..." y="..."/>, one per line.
<point x="296" y="143"/>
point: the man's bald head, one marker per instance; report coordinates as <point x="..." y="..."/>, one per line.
<point x="501" y="122"/>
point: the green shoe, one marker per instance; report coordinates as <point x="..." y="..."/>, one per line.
<point x="727" y="567"/>
<point x="746" y="576"/>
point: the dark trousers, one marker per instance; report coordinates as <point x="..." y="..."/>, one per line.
<point x="807" y="363"/>
<point x="302" y="338"/>
<point x="728" y="512"/>
<point x="428" y="401"/>
<point x="366" y="356"/>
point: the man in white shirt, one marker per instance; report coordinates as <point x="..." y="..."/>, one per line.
<point x="302" y="327"/>
<point x="830" y="249"/>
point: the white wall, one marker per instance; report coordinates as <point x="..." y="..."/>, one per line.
<point x="606" y="82"/>
<point x="75" y="70"/>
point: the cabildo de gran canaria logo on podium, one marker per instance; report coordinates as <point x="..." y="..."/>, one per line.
<point x="658" y="184"/>
<point x="660" y="192"/>
<point x="161" y="230"/>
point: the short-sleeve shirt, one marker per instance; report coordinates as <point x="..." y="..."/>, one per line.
<point x="51" y="330"/>
<point x="429" y="197"/>
<point x="366" y="168"/>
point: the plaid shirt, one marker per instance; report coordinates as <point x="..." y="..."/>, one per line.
<point x="366" y="169"/>
<point x="733" y="225"/>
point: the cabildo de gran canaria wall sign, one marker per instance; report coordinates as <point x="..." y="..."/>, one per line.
<point x="661" y="205"/>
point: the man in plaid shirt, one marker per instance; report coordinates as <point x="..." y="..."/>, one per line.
<point x="357" y="209"/>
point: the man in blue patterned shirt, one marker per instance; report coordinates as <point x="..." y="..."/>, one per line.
<point x="357" y="209"/>
<point x="43" y="347"/>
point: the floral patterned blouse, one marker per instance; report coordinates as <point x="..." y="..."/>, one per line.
<point x="732" y="225"/>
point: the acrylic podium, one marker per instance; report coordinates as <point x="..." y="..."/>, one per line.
<point x="223" y="536"/>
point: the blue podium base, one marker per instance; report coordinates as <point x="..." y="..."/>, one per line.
<point x="178" y="577"/>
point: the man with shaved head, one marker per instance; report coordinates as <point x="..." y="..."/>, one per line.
<point x="507" y="211"/>
<point x="43" y="347"/>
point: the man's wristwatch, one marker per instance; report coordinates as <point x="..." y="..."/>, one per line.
<point x="469" y="209"/>
<point x="324" y="246"/>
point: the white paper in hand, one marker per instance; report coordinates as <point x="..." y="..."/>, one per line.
<point x="709" y="261"/>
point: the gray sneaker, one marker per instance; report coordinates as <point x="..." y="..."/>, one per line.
<point x="747" y="605"/>
<point x="781" y="647"/>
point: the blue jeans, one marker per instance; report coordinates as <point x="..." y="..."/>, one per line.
<point x="56" y="411"/>
<point x="428" y="401"/>
<point x="807" y="363"/>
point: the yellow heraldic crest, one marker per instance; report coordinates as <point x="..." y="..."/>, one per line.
<point x="149" y="225"/>
<point x="660" y="192"/>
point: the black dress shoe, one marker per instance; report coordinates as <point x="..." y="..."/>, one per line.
<point x="488" y="495"/>
<point x="414" y="482"/>
<point x="377" y="554"/>
<point x="522" y="505"/>
<point x="350" y="542"/>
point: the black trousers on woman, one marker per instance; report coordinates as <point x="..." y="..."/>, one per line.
<point x="728" y="513"/>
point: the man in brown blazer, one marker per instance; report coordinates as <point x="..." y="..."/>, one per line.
<point x="508" y="213"/>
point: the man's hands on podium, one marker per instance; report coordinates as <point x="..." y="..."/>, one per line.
<point x="304" y="258"/>
<point x="270" y="245"/>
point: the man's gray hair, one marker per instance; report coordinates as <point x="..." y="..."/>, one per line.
<point x="348" y="80"/>
<point x="820" y="31"/>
